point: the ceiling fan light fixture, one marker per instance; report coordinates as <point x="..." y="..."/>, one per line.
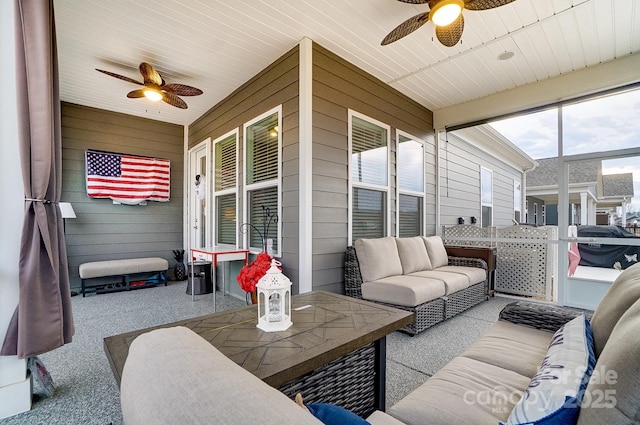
<point x="445" y="12"/>
<point x="152" y="94"/>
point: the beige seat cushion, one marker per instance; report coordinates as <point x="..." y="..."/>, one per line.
<point x="464" y="392"/>
<point x="513" y="347"/>
<point x="126" y="266"/>
<point x="437" y="252"/>
<point x="453" y="282"/>
<point x="616" y="377"/>
<point x="206" y="387"/>
<point x="475" y="274"/>
<point x="413" y="254"/>
<point x="378" y="258"/>
<point x="408" y="291"/>
<point x="622" y="294"/>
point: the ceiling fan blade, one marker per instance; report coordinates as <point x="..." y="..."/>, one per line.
<point x="121" y="77"/>
<point x="452" y="33"/>
<point x="406" y="28"/>
<point x="484" y="4"/>
<point x="150" y="75"/>
<point x="135" y="94"/>
<point x="174" y="100"/>
<point x="415" y="1"/>
<point x="182" y="90"/>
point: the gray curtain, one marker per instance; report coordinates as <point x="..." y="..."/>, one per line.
<point x="43" y="320"/>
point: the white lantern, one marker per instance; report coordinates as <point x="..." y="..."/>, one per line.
<point x="274" y="300"/>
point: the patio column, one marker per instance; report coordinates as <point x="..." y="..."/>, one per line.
<point x="623" y="219"/>
<point x="583" y="208"/>
<point x="15" y="386"/>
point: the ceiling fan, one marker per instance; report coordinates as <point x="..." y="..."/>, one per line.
<point x="446" y="15"/>
<point x="155" y="87"/>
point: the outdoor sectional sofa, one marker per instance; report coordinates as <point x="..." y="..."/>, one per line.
<point x="417" y="275"/>
<point x="173" y="376"/>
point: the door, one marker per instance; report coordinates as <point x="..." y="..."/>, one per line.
<point x="199" y="208"/>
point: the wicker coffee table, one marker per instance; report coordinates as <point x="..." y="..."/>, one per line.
<point x="335" y="352"/>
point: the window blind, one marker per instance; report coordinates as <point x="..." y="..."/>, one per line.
<point x="410" y="165"/>
<point x="226" y="225"/>
<point x="267" y="197"/>
<point x="226" y="163"/>
<point x="368" y="152"/>
<point x="368" y="214"/>
<point x="262" y="150"/>
<point x="410" y="216"/>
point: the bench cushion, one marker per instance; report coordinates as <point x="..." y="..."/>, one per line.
<point x="378" y="258"/>
<point x="119" y="267"/>
<point x="413" y="254"/>
<point x="408" y="291"/>
<point x="453" y="282"/>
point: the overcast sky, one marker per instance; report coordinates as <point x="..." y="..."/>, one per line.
<point x="604" y="124"/>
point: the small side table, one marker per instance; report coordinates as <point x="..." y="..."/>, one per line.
<point x="488" y="254"/>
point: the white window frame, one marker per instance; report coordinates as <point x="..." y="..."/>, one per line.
<point x="216" y="193"/>
<point x="400" y="191"/>
<point x="517" y="202"/>
<point x="482" y="203"/>
<point x="263" y="185"/>
<point x="385" y="189"/>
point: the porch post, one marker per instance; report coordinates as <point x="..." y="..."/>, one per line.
<point x="583" y="208"/>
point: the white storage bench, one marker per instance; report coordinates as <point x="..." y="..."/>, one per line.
<point x="124" y="269"/>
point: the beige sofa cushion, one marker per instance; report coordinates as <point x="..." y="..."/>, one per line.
<point x="437" y="252"/>
<point x="167" y="380"/>
<point x="622" y="294"/>
<point x="464" y="392"/>
<point x="513" y="347"/>
<point x="474" y="274"/>
<point x="378" y="258"/>
<point x="453" y="282"/>
<point x="408" y="291"/>
<point x="125" y="266"/>
<point x="413" y="254"/>
<point x="616" y="377"/>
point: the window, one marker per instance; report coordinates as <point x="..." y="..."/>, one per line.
<point x="486" y="196"/>
<point x="517" y="200"/>
<point x="262" y="180"/>
<point x="410" y="166"/>
<point x="369" y="159"/>
<point x="225" y="188"/>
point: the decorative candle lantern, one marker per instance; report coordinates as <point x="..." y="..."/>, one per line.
<point x="274" y="300"/>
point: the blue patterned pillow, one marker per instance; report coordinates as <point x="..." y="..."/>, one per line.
<point x="555" y="392"/>
<point x="330" y="414"/>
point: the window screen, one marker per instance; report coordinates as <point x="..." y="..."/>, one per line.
<point x="226" y="223"/>
<point x="262" y="150"/>
<point x="259" y="200"/>
<point x="368" y="214"/>
<point x="410" y="216"/>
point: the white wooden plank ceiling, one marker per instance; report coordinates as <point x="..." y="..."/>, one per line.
<point x="218" y="45"/>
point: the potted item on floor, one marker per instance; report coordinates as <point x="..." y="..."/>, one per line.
<point x="180" y="270"/>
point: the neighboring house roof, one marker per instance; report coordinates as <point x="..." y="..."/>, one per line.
<point x="546" y="173"/>
<point x="618" y="185"/>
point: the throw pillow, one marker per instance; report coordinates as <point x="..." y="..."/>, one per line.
<point x="330" y="414"/>
<point x="555" y="392"/>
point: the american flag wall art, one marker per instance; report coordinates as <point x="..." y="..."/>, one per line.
<point x="127" y="179"/>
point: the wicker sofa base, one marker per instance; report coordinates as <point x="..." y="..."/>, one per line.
<point x="347" y="382"/>
<point x="424" y="315"/>
<point x="462" y="300"/>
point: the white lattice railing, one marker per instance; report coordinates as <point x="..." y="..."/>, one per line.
<point x="524" y="266"/>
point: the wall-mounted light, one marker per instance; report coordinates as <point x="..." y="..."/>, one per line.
<point x="474" y="220"/>
<point x="445" y="12"/>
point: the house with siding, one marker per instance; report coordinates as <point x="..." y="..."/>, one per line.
<point x="593" y="197"/>
<point x="358" y="169"/>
